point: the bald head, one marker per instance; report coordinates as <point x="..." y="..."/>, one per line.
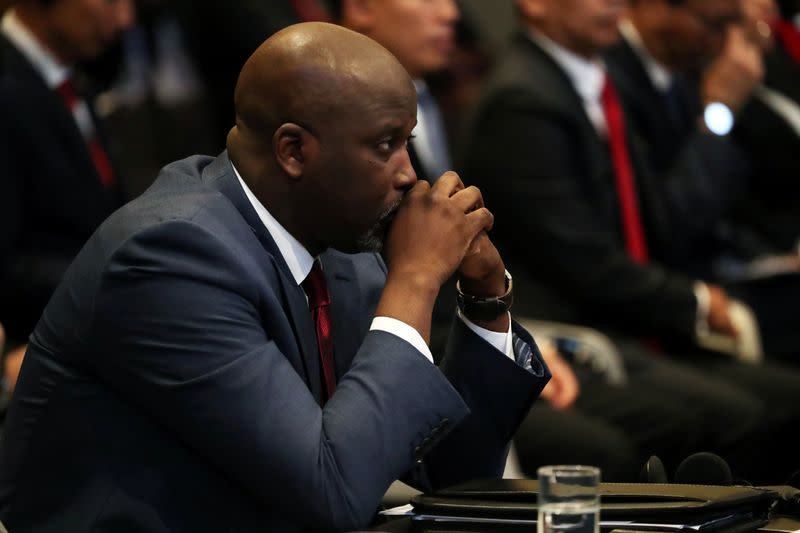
<point x="322" y="118"/>
<point x="313" y="73"/>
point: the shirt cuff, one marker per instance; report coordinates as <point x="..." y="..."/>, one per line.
<point x="703" y="296"/>
<point x="503" y="342"/>
<point x="404" y="331"/>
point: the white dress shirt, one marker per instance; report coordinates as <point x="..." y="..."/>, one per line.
<point x="430" y="141"/>
<point x="300" y="262"/>
<point x="44" y="62"/>
<point x="587" y="76"/>
<point x="52" y="71"/>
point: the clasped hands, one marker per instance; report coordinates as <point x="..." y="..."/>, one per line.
<point x="439" y="230"/>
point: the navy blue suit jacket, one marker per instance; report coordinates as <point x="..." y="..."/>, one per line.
<point x="173" y="384"/>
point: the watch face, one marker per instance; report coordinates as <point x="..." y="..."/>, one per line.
<point x="718" y="118"/>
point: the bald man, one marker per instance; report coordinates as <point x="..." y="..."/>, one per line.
<point x="200" y="375"/>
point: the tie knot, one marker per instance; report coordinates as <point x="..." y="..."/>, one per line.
<point x="66" y="89"/>
<point x="316" y="287"/>
<point x="609" y="94"/>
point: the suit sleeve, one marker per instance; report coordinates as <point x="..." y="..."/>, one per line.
<point x="180" y="331"/>
<point x="523" y="157"/>
<point x="499" y="394"/>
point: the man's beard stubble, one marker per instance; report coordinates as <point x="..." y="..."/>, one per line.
<point x="374" y="238"/>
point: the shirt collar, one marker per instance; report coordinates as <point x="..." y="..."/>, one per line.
<point x="659" y="75"/>
<point x="295" y="254"/>
<point x="44" y="62"/>
<point x="587" y="75"/>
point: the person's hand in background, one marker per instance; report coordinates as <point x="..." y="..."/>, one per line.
<point x="563" y="388"/>
<point x="11" y="366"/>
<point x="719" y="318"/>
<point x="733" y="76"/>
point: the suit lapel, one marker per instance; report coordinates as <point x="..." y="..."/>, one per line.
<point x="563" y="96"/>
<point x="220" y="175"/>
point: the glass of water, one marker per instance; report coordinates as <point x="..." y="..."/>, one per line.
<point x="569" y="499"/>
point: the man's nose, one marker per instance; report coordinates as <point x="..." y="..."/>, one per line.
<point x="406" y="176"/>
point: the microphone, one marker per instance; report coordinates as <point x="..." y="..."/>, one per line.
<point x="704" y="468"/>
<point x="653" y="471"/>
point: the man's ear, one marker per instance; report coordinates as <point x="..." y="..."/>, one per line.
<point x="293" y="146"/>
<point x="359" y="15"/>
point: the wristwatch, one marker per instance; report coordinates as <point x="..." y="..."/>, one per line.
<point x="485" y="308"/>
<point x="718" y="118"/>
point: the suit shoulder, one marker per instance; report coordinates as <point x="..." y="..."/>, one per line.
<point x="526" y="77"/>
<point x="178" y="197"/>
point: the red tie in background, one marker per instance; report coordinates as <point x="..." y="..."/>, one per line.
<point x="96" y="151"/>
<point x="310" y="11"/>
<point x="789" y="36"/>
<point x="319" y="300"/>
<point x="625" y="179"/>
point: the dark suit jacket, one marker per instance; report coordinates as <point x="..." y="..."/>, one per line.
<point x="173" y="383"/>
<point x="774" y="191"/>
<point x="547" y="174"/>
<point x="703" y="176"/>
<point x="51" y="198"/>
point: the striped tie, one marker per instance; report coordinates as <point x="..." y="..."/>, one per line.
<point x="523" y="354"/>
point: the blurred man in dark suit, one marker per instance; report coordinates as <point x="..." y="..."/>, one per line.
<point x="57" y="182"/>
<point x="230" y="351"/>
<point x="586" y="226"/>
<point x="705" y="170"/>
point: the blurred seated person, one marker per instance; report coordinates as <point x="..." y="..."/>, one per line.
<point x="57" y="182"/>
<point x="704" y="171"/>
<point x="586" y="231"/>
<point x="246" y="345"/>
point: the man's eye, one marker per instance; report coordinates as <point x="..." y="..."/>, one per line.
<point x="385" y="146"/>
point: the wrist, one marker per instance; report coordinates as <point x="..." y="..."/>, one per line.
<point x="409" y="297"/>
<point x="490" y="286"/>
<point x="486" y="308"/>
<point x="415" y="282"/>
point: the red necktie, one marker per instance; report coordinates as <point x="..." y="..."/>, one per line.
<point x="319" y="300"/>
<point x="623" y="170"/>
<point x="789" y="36"/>
<point x="310" y="11"/>
<point x="96" y="151"/>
